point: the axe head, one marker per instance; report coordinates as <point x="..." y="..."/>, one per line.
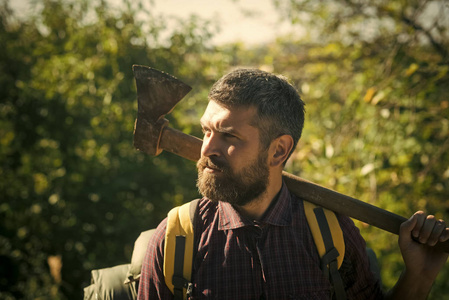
<point x="157" y="95"/>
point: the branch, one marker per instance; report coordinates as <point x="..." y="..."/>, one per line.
<point x="438" y="46"/>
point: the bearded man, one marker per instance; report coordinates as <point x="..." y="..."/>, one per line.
<point x="252" y="237"/>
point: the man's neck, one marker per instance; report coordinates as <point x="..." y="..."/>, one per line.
<point x="256" y="208"/>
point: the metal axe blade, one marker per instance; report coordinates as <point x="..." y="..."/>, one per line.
<point x="157" y="95"/>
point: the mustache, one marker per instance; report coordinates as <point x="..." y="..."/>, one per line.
<point x="213" y="163"/>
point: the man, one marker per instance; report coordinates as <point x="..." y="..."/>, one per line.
<point x="253" y="241"/>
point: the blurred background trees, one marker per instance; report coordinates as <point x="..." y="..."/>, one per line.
<point x="374" y="75"/>
<point x="74" y="192"/>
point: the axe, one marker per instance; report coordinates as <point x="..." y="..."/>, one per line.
<point x="157" y="95"/>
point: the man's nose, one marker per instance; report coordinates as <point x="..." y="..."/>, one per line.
<point x="211" y="145"/>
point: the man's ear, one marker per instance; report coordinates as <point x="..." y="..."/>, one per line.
<point x="280" y="149"/>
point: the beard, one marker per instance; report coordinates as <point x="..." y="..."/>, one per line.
<point x="235" y="188"/>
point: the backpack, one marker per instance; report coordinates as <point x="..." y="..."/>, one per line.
<point x="179" y="253"/>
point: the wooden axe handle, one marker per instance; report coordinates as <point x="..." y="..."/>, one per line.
<point x="181" y="144"/>
<point x="189" y="147"/>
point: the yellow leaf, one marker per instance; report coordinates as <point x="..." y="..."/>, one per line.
<point x="412" y="69"/>
<point x="369" y="94"/>
<point x="40" y="183"/>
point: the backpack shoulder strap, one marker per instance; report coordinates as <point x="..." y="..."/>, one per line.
<point x="334" y="226"/>
<point x="179" y="246"/>
<point x="328" y="238"/>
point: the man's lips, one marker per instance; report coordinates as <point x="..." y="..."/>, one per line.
<point x="212" y="169"/>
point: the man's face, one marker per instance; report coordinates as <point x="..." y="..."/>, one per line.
<point x="232" y="167"/>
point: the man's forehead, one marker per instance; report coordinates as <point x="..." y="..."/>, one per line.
<point x="216" y="111"/>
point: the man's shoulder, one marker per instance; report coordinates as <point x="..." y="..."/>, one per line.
<point x="346" y="223"/>
<point x="350" y="230"/>
<point x="158" y="236"/>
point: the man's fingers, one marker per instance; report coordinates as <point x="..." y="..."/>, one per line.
<point x="419" y="217"/>
<point x="406" y="229"/>
<point x="437" y="230"/>
<point x="426" y="229"/>
<point x="445" y="235"/>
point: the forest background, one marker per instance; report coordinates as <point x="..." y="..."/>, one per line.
<point x="74" y="192"/>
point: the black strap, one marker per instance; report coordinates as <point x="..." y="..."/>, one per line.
<point x="178" y="280"/>
<point x="193" y="211"/>
<point x="330" y="258"/>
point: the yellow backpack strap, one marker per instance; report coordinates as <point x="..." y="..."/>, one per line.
<point x="334" y="226"/>
<point x="178" y="250"/>
<point x="328" y="238"/>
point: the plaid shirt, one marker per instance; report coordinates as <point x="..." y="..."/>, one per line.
<point x="275" y="258"/>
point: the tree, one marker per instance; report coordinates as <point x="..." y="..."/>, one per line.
<point x="374" y="77"/>
<point x="77" y="193"/>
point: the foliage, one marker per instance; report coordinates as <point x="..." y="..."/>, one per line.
<point x="73" y="187"/>
<point x="74" y="191"/>
<point x="375" y="77"/>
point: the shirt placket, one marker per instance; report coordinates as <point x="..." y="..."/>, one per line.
<point x="258" y="266"/>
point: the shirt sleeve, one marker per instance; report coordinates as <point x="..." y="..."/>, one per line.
<point x="359" y="281"/>
<point x="152" y="282"/>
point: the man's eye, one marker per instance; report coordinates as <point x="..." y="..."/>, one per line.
<point x="228" y="135"/>
<point x="205" y="131"/>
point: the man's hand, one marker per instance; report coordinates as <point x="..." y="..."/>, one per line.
<point x="416" y="238"/>
<point x="423" y="262"/>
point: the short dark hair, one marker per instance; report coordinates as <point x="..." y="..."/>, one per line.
<point x="280" y="109"/>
